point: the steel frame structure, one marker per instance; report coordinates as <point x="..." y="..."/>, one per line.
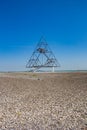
<point x="42" y="57"/>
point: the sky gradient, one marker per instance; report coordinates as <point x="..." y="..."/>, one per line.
<point x="63" y="23"/>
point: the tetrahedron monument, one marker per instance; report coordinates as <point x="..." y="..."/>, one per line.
<point x="42" y="57"/>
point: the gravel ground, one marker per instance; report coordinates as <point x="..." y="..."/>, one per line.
<point x="37" y="101"/>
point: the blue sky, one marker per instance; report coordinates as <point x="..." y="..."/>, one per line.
<point x="62" y="22"/>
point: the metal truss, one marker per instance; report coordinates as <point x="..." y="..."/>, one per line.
<point x="42" y="56"/>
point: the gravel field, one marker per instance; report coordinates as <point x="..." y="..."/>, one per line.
<point x="43" y="101"/>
